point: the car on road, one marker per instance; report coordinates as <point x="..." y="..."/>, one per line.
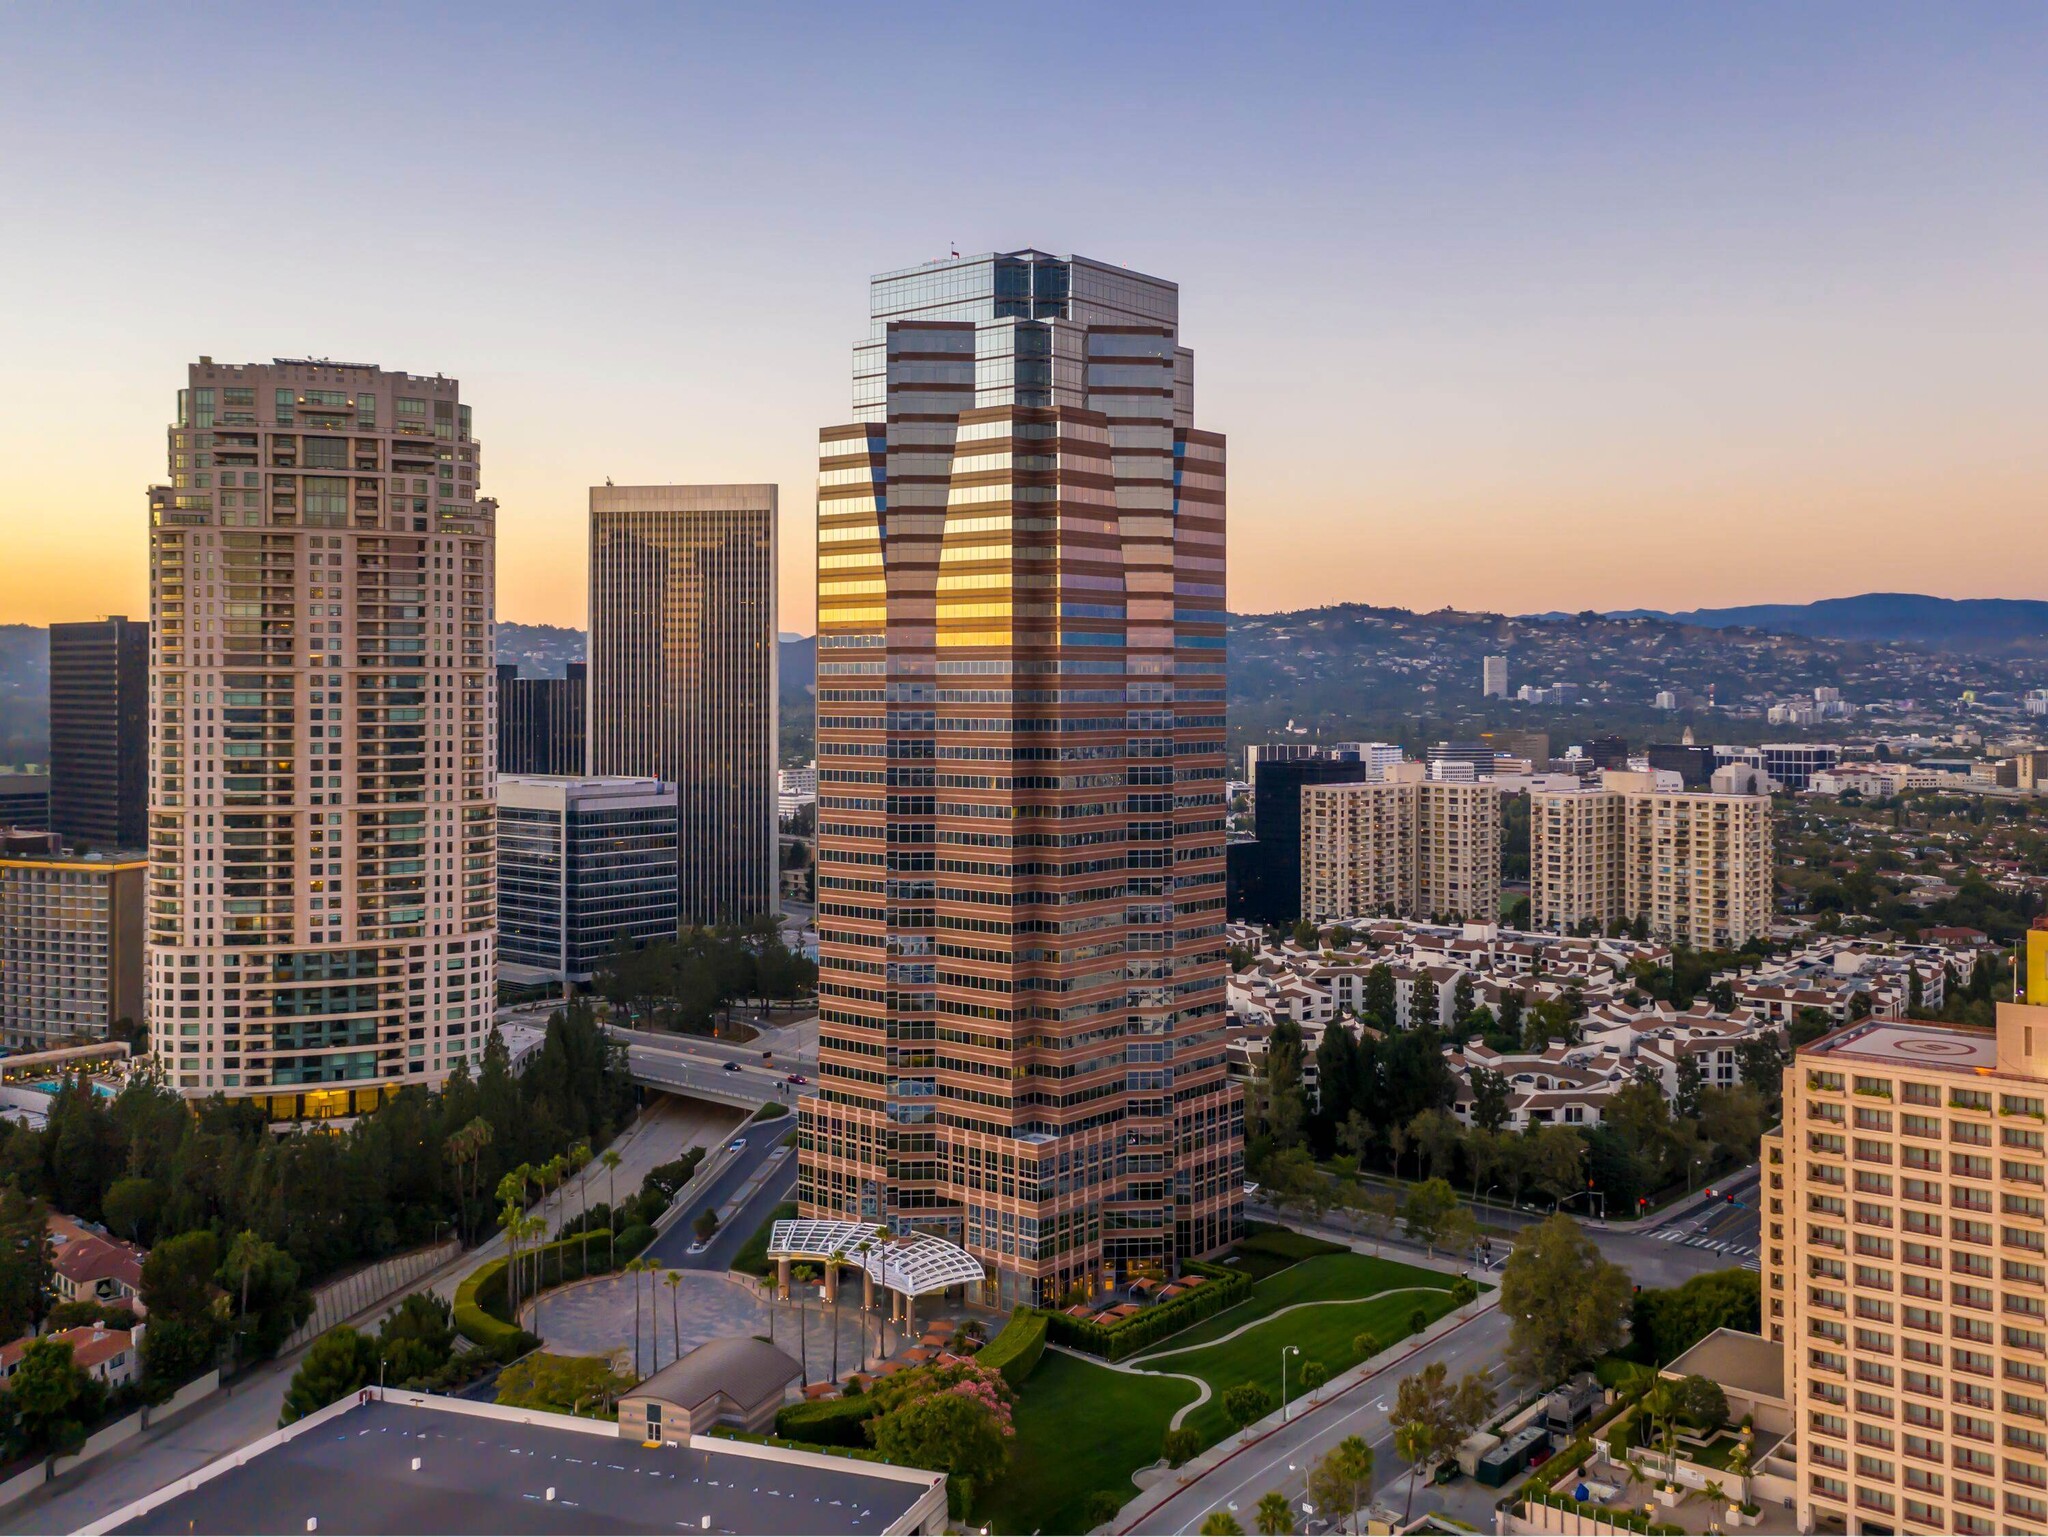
<point x="698" y="1247"/>
<point x="732" y="1067"/>
<point x="737" y="1145"/>
<point x="798" y="1078"/>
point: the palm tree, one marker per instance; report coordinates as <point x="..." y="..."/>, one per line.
<point x="1413" y="1443"/>
<point x="611" y="1162"/>
<point x="579" y="1155"/>
<point x="675" y="1308"/>
<point x="1661" y="1404"/>
<point x="1276" y="1516"/>
<point x="551" y="1173"/>
<point x="835" y="1262"/>
<point x="511" y="1202"/>
<point x="632" y="1271"/>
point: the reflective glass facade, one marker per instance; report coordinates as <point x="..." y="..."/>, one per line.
<point x="581" y="863"/>
<point x="1020" y="781"/>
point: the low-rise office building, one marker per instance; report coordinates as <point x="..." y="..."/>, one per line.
<point x="581" y="863"/>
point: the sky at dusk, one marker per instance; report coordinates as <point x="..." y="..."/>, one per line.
<point x="1510" y="307"/>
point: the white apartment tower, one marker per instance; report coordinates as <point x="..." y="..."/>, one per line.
<point x="322" y="844"/>
<point x="1493" y="677"/>
<point x="1695" y="866"/>
<point x="1404" y="846"/>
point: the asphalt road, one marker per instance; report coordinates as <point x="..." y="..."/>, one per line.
<point x="763" y="1138"/>
<point x="1282" y="1458"/>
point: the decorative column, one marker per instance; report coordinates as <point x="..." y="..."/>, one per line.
<point x="782" y="1279"/>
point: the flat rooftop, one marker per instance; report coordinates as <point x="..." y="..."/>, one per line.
<point x="485" y="1470"/>
<point x="1747" y="1363"/>
<point x="1902" y="1044"/>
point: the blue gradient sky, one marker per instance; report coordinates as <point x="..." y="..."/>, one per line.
<point x="1522" y="307"/>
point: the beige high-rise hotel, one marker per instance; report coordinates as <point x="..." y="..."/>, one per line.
<point x="1404" y="846"/>
<point x="322" y="855"/>
<point x="683" y="677"/>
<point x="1906" y="1270"/>
<point x="1695" y="866"/>
<point x="1020" y="782"/>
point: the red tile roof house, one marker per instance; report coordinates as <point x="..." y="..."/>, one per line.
<point x="112" y="1355"/>
<point x="86" y="1266"/>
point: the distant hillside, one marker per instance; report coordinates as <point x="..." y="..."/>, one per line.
<point x="1976" y="625"/>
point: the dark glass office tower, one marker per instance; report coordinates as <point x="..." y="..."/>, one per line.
<point x="1271" y="883"/>
<point x="99" y="732"/>
<point x="1020" y="782"/>
<point x="682" y="676"/>
<point x="540" y="722"/>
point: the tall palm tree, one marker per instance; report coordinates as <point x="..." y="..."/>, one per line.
<point x="835" y="1262"/>
<point x="675" y="1308"/>
<point x="632" y="1274"/>
<point x="551" y="1173"/>
<point x="611" y="1162"/>
<point x="579" y="1155"/>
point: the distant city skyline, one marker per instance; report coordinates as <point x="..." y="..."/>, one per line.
<point x="1516" y="310"/>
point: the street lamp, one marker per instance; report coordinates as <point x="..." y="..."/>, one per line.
<point x="1286" y="1351"/>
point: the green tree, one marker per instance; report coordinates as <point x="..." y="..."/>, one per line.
<point x="1380" y="996"/>
<point x="1664" y="1323"/>
<point x="1566" y="1304"/>
<point x="1428" y="1207"/>
<point x="1366" y="1345"/>
<point x="1275" y="1514"/>
<point x="178" y="1293"/>
<point x="416" y="1338"/>
<point x="1246" y="1404"/>
<point x="1180" y="1443"/>
<point x="54" y="1398"/>
<point x="131" y="1207"/>
<point x="270" y="1303"/>
<point x="1686" y="1101"/>
<point x="1442" y="1411"/>
<point x="1423" y="1003"/>
<point x="1436" y="1135"/>
<point x="1490" y="1094"/>
<point x="1557" y="1158"/>
<point x="946" y="1431"/>
<point x="1341" y="1482"/>
<point x="1101" y="1507"/>
<point x="1221" y="1523"/>
<point x="705" y="1224"/>
<point x="1313" y="1375"/>
<point x="341" y="1361"/>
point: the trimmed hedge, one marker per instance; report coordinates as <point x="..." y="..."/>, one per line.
<point x="633" y="1240"/>
<point x="481" y="1307"/>
<point x="833" y="1422"/>
<point x="1016" y="1351"/>
<point x="1223" y="1288"/>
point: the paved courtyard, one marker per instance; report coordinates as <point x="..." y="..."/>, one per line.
<point x="596" y="1318"/>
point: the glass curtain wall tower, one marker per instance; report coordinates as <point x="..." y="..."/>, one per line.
<point x="1020" y="782"/>
<point x="322" y="841"/>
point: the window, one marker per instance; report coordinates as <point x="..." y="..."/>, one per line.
<point x="326" y="501"/>
<point x="326" y="453"/>
<point x="287" y="408"/>
<point x="202" y="408"/>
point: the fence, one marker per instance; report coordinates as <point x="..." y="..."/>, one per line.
<point x="362" y="1289"/>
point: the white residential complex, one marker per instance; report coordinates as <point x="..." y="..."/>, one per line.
<point x="1695" y="867"/>
<point x="1402" y="845"/>
<point x="322" y="845"/>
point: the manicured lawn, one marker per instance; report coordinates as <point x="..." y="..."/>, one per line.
<point x="1265" y="1249"/>
<point x="1323" y="1334"/>
<point x="1080" y="1428"/>
<point x="1325" y="1276"/>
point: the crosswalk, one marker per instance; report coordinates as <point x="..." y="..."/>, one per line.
<point x="1742" y="1251"/>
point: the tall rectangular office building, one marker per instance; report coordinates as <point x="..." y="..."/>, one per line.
<point x="322" y="842"/>
<point x="99" y="732"/>
<point x="1020" y="781"/>
<point x="683" y="676"/>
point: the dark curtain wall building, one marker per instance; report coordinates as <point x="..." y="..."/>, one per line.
<point x="99" y="732"/>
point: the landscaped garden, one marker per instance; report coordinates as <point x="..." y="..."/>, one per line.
<point x="1081" y="1428"/>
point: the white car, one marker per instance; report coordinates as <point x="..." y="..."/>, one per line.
<point x="737" y="1145"/>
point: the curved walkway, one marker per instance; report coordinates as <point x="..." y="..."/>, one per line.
<point x="1201" y="1387"/>
<point x="1266" y="1318"/>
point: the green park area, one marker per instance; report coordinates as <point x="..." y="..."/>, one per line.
<point x="1084" y="1428"/>
<point x="1080" y="1428"/>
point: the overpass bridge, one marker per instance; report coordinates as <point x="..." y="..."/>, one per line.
<point x="709" y="1071"/>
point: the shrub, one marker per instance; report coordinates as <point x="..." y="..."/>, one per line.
<point x="1418" y="1321"/>
<point x="482" y="1312"/>
<point x="1016" y="1351"/>
<point x="1221" y="1288"/>
<point x="1464" y="1290"/>
<point x="634" y="1239"/>
<point x="829" y="1421"/>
